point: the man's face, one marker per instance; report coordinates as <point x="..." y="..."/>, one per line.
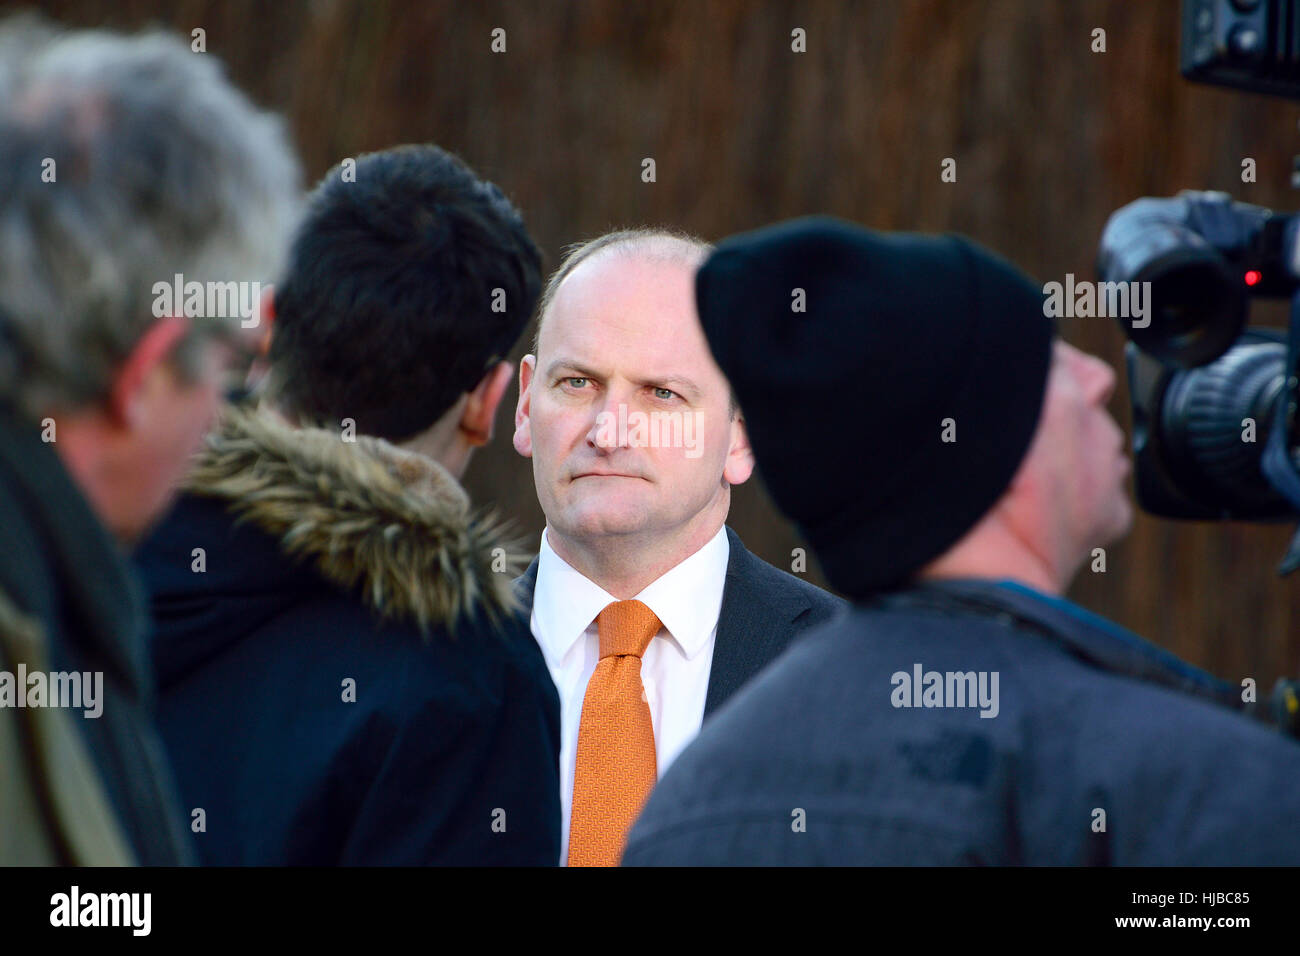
<point x="1076" y="467"/>
<point x="622" y="345"/>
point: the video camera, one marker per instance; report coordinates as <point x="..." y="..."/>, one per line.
<point x="1214" y="402"/>
<point x="1215" y="432"/>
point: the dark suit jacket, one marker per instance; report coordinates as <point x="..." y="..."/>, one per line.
<point x="763" y="608"/>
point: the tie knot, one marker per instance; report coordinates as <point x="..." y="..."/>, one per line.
<point x="626" y="627"/>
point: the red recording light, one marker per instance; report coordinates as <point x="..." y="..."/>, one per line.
<point x="1253" y="277"/>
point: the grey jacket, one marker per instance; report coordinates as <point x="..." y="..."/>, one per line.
<point x="1097" y="748"/>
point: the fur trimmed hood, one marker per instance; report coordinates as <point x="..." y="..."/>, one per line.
<point x="364" y="513"/>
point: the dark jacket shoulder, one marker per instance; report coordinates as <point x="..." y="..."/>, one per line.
<point x="763" y="610"/>
<point x="344" y="674"/>
<point x="66" y="576"/>
<point x="781" y="587"/>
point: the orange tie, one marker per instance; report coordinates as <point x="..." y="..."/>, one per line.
<point x="616" y="766"/>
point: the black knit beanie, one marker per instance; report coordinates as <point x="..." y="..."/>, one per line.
<point x="891" y="384"/>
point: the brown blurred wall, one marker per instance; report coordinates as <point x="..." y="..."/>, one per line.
<point x="1049" y="138"/>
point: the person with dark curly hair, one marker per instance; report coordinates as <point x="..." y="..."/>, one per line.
<point x="345" y="678"/>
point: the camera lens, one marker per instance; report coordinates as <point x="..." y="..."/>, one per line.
<point x="1203" y="414"/>
<point x="1196" y="312"/>
<point x="1196" y="307"/>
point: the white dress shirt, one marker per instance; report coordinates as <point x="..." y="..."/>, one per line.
<point x="674" y="669"/>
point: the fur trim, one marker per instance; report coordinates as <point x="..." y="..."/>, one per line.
<point x="364" y="511"/>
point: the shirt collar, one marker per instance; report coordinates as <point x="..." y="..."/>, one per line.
<point x="687" y="598"/>
<point x="564" y="601"/>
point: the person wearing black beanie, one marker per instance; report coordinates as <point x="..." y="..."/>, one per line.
<point x="924" y="358"/>
<point x="953" y="465"/>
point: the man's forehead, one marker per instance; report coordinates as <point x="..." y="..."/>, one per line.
<point x="631" y="364"/>
<point x="631" y="272"/>
<point x="638" y="299"/>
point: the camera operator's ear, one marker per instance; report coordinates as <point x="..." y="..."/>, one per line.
<point x="481" y="409"/>
<point x="128" y="391"/>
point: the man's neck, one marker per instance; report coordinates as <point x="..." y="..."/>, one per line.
<point x="442" y="442"/>
<point x="625" y="565"/>
<point x="445" y="445"/>
<point x="1028" y="572"/>
<point x="83" y="446"/>
<point x="994" y="551"/>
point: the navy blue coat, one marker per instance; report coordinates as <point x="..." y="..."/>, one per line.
<point x="449" y="753"/>
<point x="1099" y="749"/>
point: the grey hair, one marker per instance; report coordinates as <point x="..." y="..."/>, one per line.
<point x="160" y="167"/>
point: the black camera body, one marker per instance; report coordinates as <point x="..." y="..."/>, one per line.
<point x="1248" y="44"/>
<point x="1213" y="401"/>
<point x="1204" y="389"/>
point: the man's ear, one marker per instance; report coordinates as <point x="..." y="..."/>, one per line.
<point x="260" y="366"/>
<point x="481" y="408"/>
<point x="127" y="392"/>
<point x="740" y="457"/>
<point x="524" y="410"/>
<point x="268" y="320"/>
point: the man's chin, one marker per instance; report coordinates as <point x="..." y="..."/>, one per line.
<point x="1122" y="522"/>
<point x="605" y="519"/>
<point x="609" y="525"/>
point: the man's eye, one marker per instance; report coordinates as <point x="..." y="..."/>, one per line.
<point x="576" y="382"/>
<point x="667" y="394"/>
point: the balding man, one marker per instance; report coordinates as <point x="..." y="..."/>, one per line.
<point x="648" y="609"/>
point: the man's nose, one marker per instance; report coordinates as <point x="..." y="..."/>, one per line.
<point x="604" y="431"/>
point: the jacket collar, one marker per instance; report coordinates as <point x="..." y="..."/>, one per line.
<point x="759" y="609"/>
<point x="1084" y="634"/>
<point x="366" y="513"/>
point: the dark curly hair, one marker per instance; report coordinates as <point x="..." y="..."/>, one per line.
<point x="404" y="284"/>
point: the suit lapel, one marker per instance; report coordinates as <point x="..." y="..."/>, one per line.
<point x="526" y="586"/>
<point x="755" y="624"/>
